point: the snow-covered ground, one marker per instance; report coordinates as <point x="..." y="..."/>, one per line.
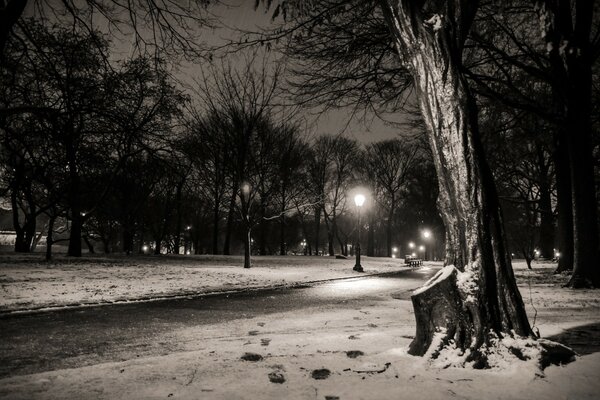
<point x="360" y="353"/>
<point x="29" y="283"/>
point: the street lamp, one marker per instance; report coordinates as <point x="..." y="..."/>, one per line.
<point x="428" y="236"/>
<point x="411" y="245"/>
<point x="359" y="200"/>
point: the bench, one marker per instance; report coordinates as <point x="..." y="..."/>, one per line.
<point x="412" y="261"/>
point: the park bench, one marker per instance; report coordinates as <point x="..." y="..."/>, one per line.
<point x="412" y="261"/>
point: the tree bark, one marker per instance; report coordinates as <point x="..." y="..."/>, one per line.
<point x="282" y="246"/>
<point x="317" y="229"/>
<point x="563" y="204"/>
<point x="215" y="232"/>
<point x="9" y="16"/>
<point x="229" y="226"/>
<point x="50" y="238"/>
<point x="546" y="238"/>
<point x="429" y="38"/>
<point x="567" y="27"/>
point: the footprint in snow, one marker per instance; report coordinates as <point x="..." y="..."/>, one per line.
<point x="251" y="357"/>
<point x="320" y="373"/>
<point x="354" y="353"/>
<point x="265" y="342"/>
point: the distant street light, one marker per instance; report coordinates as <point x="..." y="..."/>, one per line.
<point x="411" y="245"/>
<point x="428" y="236"/>
<point x="421" y="248"/>
<point x="359" y="200"/>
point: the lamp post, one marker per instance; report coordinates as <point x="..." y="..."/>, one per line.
<point x="359" y="200"/>
<point x="428" y="236"/>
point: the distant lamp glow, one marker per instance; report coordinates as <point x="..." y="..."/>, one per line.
<point x="144" y="248"/>
<point x="557" y="254"/>
<point x="246" y="188"/>
<point x="414" y="254"/>
<point x="188" y="252"/>
<point x="393" y="256"/>
<point x="426" y="233"/>
<point x="359" y="200"/>
<point x="411" y="245"/>
<point x="421" y="248"/>
<point x="394" y="249"/>
<point x="188" y="227"/>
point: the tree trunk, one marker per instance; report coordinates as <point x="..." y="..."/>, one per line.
<point x="388" y="235"/>
<point x="282" y="246"/>
<point x="586" y="268"/>
<point x="74" y="196"/>
<point x="563" y="204"/>
<point x="178" y="194"/>
<point x="248" y="247"/>
<point x="486" y="304"/>
<point x="50" y="238"/>
<point x="215" y="233"/>
<point x="317" y="229"/>
<point x="89" y="244"/>
<point x="566" y="29"/>
<point x="262" y="236"/>
<point x="229" y="226"/>
<point x="546" y="239"/>
<point x="9" y="15"/>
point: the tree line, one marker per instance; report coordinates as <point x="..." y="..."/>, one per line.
<point x="117" y="156"/>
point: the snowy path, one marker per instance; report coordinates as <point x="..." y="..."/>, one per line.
<point x="66" y="339"/>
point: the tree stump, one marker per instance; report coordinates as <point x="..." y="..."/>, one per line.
<point x="438" y="306"/>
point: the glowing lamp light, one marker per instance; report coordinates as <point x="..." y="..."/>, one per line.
<point x="246" y="188"/>
<point x="426" y="233"/>
<point x="359" y="200"/>
<point x="411" y="245"/>
<point x="414" y="254"/>
<point x="421" y="248"/>
<point x="394" y="249"/>
<point x="144" y="248"/>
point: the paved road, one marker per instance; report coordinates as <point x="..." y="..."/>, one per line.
<point x="72" y="338"/>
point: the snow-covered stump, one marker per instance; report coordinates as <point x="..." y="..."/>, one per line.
<point x="453" y="328"/>
<point x="438" y="308"/>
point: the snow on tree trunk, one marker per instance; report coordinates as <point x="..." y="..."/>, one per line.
<point x="484" y="304"/>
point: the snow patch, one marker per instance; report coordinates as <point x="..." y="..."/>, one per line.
<point x="438" y="277"/>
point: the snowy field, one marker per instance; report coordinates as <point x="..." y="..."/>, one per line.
<point x="353" y="353"/>
<point x="29" y="283"/>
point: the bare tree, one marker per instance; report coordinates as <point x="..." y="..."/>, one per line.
<point x="391" y="162"/>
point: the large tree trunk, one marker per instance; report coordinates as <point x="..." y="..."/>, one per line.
<point x="566" y="28"/>
<point x="546" y="239"/>
<point x="485" y="300"/>
<point x="563" y="204"/>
